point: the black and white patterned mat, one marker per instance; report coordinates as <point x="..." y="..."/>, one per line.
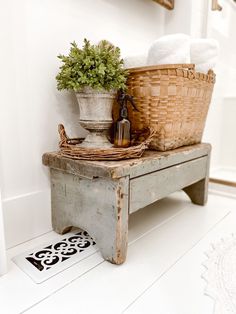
<point x="48" y="260"/>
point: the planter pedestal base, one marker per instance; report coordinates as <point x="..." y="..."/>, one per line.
<point x="96" y="140"/>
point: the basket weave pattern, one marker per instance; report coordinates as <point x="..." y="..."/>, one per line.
<point x="173" y="100"/>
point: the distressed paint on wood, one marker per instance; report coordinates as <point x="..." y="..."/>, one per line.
<point x="99" y="206"/>
<point x="98" y="196"/>
<point x="198" y="192"/>
<point x="150" y="162"/>
<point x="152" y="187"/>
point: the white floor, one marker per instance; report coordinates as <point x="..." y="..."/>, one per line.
<point x="162" y="274"/>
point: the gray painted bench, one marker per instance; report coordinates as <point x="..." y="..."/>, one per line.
<point x="98" y="196"/>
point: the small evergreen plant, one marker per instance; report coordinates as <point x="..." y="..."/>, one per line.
<point x="97" y="66"/>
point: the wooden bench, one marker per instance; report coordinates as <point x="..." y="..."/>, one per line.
<point x="98" y="196"/>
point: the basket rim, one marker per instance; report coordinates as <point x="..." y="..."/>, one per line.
<point x="187" y="66"/>
<point x="182" y="69"/>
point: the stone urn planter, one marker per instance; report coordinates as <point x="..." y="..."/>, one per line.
<point x="96" y="115"/>
<point x="95" y="73"/>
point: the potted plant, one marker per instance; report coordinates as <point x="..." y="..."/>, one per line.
<point x="95" y="73"/>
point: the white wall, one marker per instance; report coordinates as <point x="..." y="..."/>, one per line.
<point x="191" y="17"/>
<point x="3" y="260"/>
<point x="195" y="18"/>
<point x="31" y="107"/>
<point x="221" y="127"/>
<point x="179" y="20"/>
<point x="228" y="138"/>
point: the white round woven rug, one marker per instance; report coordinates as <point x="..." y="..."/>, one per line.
<point x="220" y="275"/>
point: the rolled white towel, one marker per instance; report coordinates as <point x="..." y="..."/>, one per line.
<point x="204" y="53"/>
<point x="135" y="61"/>
<point x="205" y="67"/>
<point x="170" y="49"/>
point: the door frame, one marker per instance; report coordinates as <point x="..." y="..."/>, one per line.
<point x="3" y="256"/>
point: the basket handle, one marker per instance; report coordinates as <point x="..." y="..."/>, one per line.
<point x="189" y="66"/>
<point x="189" y="70"/>
<point x="211" y="76"/>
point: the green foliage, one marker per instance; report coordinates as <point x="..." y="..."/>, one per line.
<point x="98" y="66"/>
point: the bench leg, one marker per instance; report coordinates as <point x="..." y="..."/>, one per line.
<point x="99" y="206"/>
<point x="198" y="192"/>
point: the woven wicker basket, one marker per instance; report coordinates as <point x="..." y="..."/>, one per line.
<point x="173" y="100"/>
<point x="70" y="148"/>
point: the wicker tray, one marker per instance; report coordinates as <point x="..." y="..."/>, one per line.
<point x="173" y="100"/>
<point x="70" y="148"/>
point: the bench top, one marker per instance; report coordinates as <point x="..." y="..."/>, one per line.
<point x="150" y="161"/>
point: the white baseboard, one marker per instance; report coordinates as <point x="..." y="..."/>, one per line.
<point x="26" y="217"/>
<point x="225" y="174"/>
<point x="222" y="190"/>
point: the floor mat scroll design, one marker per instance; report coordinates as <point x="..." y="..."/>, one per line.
<point x="46" y="261"/>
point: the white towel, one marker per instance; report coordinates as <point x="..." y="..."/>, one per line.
<point x="170" y="49"/>
<point x="204" y="53"/>
<point x="135" y="61"/>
